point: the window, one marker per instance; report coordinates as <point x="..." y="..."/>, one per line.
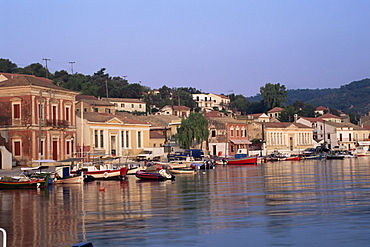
<point x="17" y="111"/>
<point x="122" y="139"/>
<point x="139" y="139"/>
<point x="132" y="106"/>
<point x="127" y="139"/>
<point x="96" y="109"/>
<point x="340" y="137"/>
<point x="17" y="148"/>
<point x="231" y="131"/>
<point x="101" y="139"/>
<point x="67" y="114"/>
<point x="123" y="105"/>
<point x="68" y="147"/>
<point x="96" y="138"/>
<point x="140" y="106"/>
<point x="107" y="110"/>
<point x="350" y="137"/>
<point x="213" y="133"/>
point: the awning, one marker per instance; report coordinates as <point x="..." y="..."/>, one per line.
<point x="240" y="141"/>
<point x="364" y="143"/>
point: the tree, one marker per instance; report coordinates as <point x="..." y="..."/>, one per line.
<point x="6" y="66"/>
<point x="273" y="95"/>
<point x="193" y="128"/>
<point x="240" y="103"/>
<point x="287" y="115"/>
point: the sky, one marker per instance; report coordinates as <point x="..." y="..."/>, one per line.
<point x="216" y="46"/>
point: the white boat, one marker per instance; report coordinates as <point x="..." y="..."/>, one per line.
<point x="63" y="176"/>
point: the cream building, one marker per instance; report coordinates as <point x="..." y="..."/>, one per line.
<point x="283" y="137"/>
<point x="127" y="104"/>
<point x="102" y="133"/>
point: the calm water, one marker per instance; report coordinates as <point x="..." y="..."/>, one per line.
<point x="320" y="203"/>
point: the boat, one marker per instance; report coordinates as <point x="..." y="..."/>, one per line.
<point x="243" y="161"/>
<point x="154" y="175"/>
<point x="103" y="171"/>
<point x="207" y="164"/>
<point x="186" y="170"/>
<point x="334" y="157"/>
<point x="294" y="158"/>
<point x="23" y="183"/>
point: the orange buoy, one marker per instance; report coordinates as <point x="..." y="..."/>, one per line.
<point x="102" y="188"/>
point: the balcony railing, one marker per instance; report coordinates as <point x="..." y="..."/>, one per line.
<point x="57" y="123"/>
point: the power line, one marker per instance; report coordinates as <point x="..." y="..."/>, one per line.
<point x="72" y="66"/>
<point x="46" y="66"/>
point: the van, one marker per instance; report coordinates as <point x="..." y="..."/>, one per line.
<point x="197" y="154"/>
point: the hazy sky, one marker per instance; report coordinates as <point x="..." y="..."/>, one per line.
<point x="216" y="46"/>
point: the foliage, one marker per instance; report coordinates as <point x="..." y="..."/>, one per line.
<point x="6" y="66"/>
<point x="273" y="95"/>
<point x="239" y="103"/>
<point x="193" y="128"/>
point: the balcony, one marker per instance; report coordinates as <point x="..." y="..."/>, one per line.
<point x="56" y="123"/>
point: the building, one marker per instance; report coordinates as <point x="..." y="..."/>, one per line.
<point x="210" y="101"/>
<point x="164" y="125"/>
<point x="37" y="119"/>
<point x="127" y="104"/>
<point x="176" y="110"/>
<point x="275" y="112"/>
<point x="108" y="134"/>
<point x="88" y="103"/>
<point x="226" y="136"/>
<point x="283" y="137"/>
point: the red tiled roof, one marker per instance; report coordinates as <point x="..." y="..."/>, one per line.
<point x="155" y="135"/>
<point x="90" y="97"/>
<point x="26" y="80"/>
<point x="275" y="109"/>
<point x="321" y="108"/>
<point x="328" y="115"/>
<point x="11" y="76"/>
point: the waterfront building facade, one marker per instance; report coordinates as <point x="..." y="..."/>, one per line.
<point x="37" y="119"/>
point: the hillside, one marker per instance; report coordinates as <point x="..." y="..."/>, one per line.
<point x="352" y="97"/>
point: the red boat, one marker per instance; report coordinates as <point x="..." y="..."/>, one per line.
<point x="294" y="158"/>
<point x="243" y="161"/>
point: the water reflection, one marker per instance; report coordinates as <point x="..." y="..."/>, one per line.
<point x="278" y="202"/>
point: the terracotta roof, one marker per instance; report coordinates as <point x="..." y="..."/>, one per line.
<point x="127" y="100"/>
<point x="155" y="135"/>
<point x="178" y="108"/>
<point x="104" y="117"/>
<point x="275" y="109"/>
<point x="31" y="81"/>
<point x="328" y="115"/>
<point x="344" y="125"/>
<point x="155" y="120"/>
<point x="227" y="120"/>
<point x="282" y="125"/>
<point x="321" y="108"/>
<point x="97" y="102"/>
<point x="90" y="97"/>
<point x="11" y="76"/>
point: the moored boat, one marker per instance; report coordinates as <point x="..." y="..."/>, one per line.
<point x="160" y="175"/>
<point x="23" y="183"/>
<point x="187" y="170"/>
<point x="251" y="160"/>
<point x="103" y="171"/>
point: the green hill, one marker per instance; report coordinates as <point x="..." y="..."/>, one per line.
<point x="352" y="97"/>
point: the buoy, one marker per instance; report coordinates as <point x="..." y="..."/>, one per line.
<point x="102" y="188"/>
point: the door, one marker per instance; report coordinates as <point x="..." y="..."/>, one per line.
<point x="214" y="150"/>
<point x="55" y="150"/>
<point x="113" y="145"/>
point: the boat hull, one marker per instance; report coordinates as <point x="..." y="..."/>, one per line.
<point x="31" y="184"/>
<point x="243" y="161"/>
<point x="70" y="180"/>
<point x="143" y="175"/>
<point x="108" y="174"/>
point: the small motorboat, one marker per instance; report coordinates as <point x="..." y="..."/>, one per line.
<point x="24" y="182"/>
<point x="155" y="175"/>
<point x="185" y="170"/>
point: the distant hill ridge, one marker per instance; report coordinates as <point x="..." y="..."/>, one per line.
<point x="352" y="97"/>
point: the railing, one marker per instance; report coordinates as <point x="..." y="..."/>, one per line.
<point x="4" y="237"/>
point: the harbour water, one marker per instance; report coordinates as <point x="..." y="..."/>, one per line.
<point x="286" y="203"/>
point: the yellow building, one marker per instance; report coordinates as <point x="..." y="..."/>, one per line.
<point x="284" y="137"/>
<point x="103" y="133"/>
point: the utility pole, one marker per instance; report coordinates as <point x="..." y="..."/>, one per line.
<point x="46" y="66"/>
<point x="72" y="66"/>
